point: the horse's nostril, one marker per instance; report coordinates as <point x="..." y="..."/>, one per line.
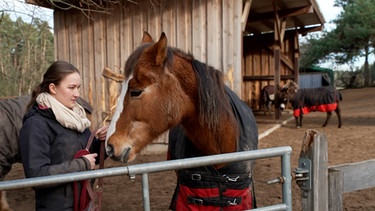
<point x="109" y="150"/>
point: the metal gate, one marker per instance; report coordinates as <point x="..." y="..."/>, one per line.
<point x="145" y="169"/>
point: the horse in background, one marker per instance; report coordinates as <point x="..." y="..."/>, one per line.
<point x="267" y="98"/>
<point x="167" y="89"/>
<point x="323" y="99"/>
<point x="12" y="110"/>
<point x="11" y="114"/>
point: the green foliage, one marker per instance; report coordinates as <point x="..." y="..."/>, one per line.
<point x="317" y="49"/>
<point x="355" y="29"/>
<point x="26" y="50"/>
<point x="353" y="37"/>
<point x="353" y="34"/>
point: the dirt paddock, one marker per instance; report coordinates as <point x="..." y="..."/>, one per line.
<point x="353" y="142"/>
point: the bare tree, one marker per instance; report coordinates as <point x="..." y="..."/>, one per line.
<point x="27" y="46"/>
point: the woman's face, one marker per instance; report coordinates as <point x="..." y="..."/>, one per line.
<point x="67" y="91"/>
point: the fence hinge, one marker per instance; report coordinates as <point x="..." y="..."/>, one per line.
<point x="303" y="174"/>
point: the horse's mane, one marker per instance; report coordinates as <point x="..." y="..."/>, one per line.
<point x="212" y="100"/>
<point x="290" y="84"/>
<point x="133" y="58"/>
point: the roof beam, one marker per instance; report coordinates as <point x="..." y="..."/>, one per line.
<point x="279" y="26"/>
<point x="305" y="31"/>
<point x="293" y="17"/>
<point x="317" y="11"/>
<point x="245" y="14"/>
<point x="39" y="3"/>
<point x="283" y="13"/>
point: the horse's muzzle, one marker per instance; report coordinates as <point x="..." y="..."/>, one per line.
<point x="109" y="150"/>
<point x="282" y="106"/>
<point x="123" y="157"/>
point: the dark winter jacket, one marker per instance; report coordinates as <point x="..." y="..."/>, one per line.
<point x="48" y="148"/>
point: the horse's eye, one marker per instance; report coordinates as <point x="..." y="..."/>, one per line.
<point x="136" y="92"/>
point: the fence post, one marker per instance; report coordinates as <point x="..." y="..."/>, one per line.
<point x="335" y="189"/>
<point x="315" y="150"/>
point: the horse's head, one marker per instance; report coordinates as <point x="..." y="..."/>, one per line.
<point x="287" y="93"/>
<point x="151" y="100"/>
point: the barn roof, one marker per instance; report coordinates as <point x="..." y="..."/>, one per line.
<point x="259" y="15"/>
<point x="303" y="15"/>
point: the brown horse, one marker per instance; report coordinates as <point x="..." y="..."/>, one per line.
<point x="167" y="89"/>
<point x="267" y="98"/>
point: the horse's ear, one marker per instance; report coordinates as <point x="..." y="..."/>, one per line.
<point x="293" y="84"/>
<point x="296" y="85"/>
<point x="161" y="49"/>
<point x="147" y="38"/>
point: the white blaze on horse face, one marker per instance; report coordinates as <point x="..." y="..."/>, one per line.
<point x="119" y="109"/>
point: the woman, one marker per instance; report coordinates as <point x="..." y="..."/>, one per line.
<point x="54" y="129"/>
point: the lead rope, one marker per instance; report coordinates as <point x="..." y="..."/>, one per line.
<point x="99" y="187"/>
<point x="97" y="196"/>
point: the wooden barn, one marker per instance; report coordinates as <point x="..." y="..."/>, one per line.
<point x="254" y="42"/>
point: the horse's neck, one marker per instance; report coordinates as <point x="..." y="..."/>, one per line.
<point x="208" y="141"/>
<point x="212" y="142"/>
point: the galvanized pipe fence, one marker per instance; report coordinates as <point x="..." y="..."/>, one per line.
<point x="146" y="168"/>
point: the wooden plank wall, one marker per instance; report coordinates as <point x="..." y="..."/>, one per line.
<point x="258" y="64"/>
<point x="210" y="30"/>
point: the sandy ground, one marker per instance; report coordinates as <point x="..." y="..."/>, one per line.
<point x="352" y="143"/>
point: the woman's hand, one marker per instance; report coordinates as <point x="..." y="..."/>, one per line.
<point x="101" y="133"/>
<point x="91" y="159"/>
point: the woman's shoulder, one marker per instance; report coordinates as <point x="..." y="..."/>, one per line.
<point x="38" y="113"/>
<point x="38" y="117"/>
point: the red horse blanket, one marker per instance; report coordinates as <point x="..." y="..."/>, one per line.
<point x="206" y="188"/>
<point x="324" y="99"/>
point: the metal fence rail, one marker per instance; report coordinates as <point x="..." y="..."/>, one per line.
<point x="144" y="169"/>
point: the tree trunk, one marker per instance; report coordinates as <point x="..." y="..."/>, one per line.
<point x="367" y="73"/>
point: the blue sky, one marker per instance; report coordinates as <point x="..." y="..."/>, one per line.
<point x="18" y="8"/>
<point x="329" y="11"/>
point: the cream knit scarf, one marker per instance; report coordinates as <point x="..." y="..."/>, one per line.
<point x="70" y="118"/>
